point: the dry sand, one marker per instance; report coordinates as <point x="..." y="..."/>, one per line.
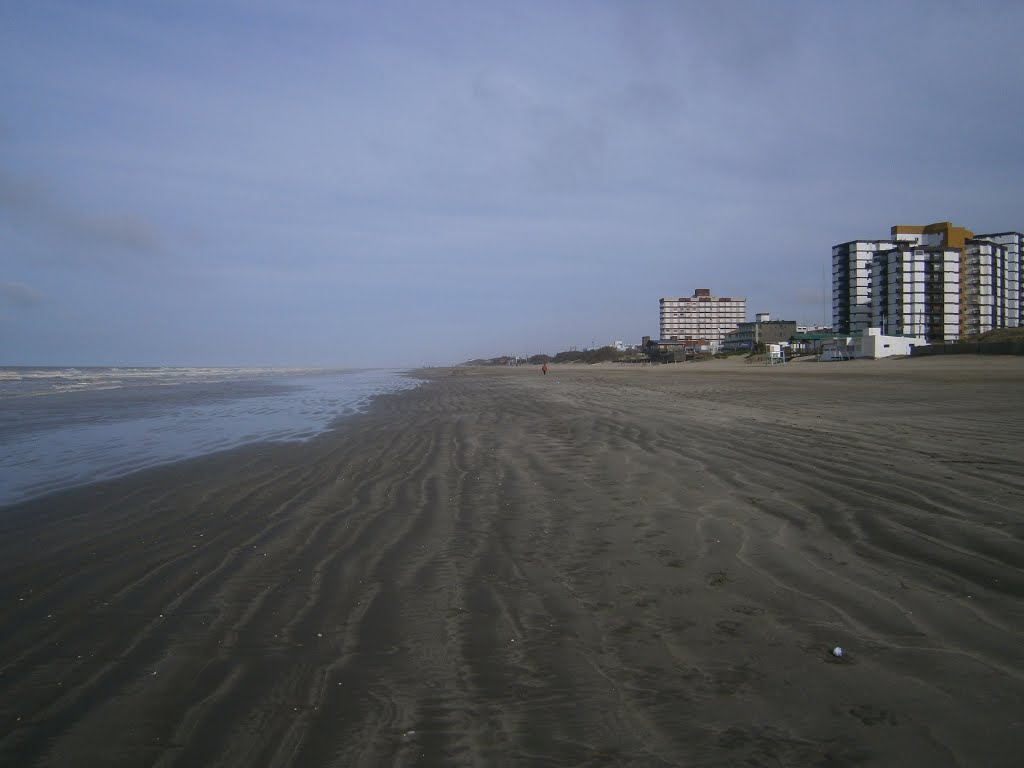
<point x="603" y="566"/>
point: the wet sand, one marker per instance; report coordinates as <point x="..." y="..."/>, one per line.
<point x="603" y="566"/>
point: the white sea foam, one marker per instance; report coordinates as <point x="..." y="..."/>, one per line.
<point x="21" y="381"/>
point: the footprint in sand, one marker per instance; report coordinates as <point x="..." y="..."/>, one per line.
<point x="727" y="628"/>
<point x="717" y="578"/>
<point x="869" y="715"/>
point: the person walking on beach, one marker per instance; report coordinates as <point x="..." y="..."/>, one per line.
<point x="544" y="369"/>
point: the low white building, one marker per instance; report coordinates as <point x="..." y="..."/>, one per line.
<point x="872" y="344"/>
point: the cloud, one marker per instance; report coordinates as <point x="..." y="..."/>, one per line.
<point x="33" y="204"/>
<point x="652" y="101"/>
<point x="130" y="233"/>
<point x="569" y="152"/>
<point x="747" y="45"/>
<point x="20" y="295"/>
<point x="332" y="155"/>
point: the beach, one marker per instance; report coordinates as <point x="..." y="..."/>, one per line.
<point x="606" y="565"/>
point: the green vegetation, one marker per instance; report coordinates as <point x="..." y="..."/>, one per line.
<point x="601" y="355"/>
<point x="1000" y="334"/>
<point x="585" y="356"/>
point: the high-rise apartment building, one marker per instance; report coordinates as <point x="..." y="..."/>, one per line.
<point x="701" y="316"/>
<point x="851" y="291"/>
<point x="916" y="292"/>
<point x="984" y="289"/>
<point x="915" y="285"/>
<point x="938" y="281"/>
<point x="1012" y="288"/>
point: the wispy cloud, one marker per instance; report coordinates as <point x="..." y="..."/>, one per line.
<point x="20" y="295"/>
<point x="328" y="172"/>
<point x="32" y="204"/>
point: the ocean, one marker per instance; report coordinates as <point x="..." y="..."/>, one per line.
<point x="62" y="427"/>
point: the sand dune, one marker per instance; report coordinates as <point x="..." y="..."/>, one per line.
<point x="603" y="566"/>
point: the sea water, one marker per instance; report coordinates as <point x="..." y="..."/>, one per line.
<point x="62" y="427"/>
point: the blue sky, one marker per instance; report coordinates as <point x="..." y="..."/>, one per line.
<point x="265" y="182"/>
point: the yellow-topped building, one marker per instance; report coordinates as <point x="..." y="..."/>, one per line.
<point x="936" y="280"/>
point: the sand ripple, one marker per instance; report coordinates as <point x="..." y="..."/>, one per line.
<point x="597" y="567"/>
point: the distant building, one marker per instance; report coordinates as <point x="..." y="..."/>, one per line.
<point x="814" y="329"/>
<point x="675" y="350"/>
<point x="701" y="316"/>
<point x="763" y="330"/>
<point x="809" y="342"/>
<point x="938" y="281"/>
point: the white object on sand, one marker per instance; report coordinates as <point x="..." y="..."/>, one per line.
<point x="837" y="652"/>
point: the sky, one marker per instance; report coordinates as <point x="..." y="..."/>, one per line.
<point x="305" y="183"/>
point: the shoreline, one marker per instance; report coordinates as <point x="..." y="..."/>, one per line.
<point x="599" y="566"/>
<point x="124" y="430"/>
